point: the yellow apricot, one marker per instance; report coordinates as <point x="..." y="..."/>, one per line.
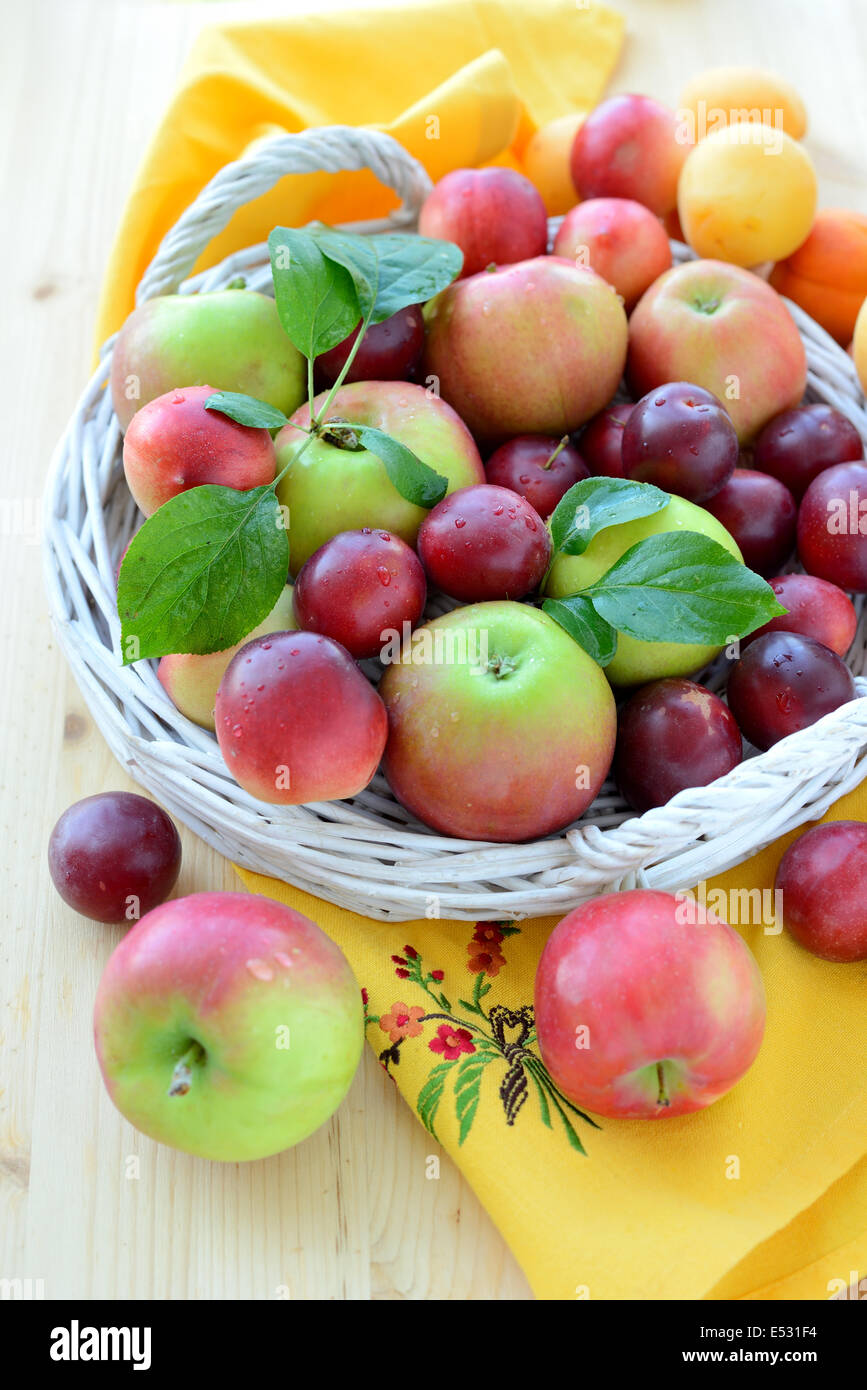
<point x="747" y="194"/>
<point x="546" y="162"/>
<point x="859" y="346"/>
<point x="722" y="96"/>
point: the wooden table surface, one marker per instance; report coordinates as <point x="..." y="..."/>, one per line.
<point x="86" y="1204"/>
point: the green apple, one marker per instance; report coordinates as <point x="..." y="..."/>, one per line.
<point x="227" y="1025"/>
<point x="637" y="662"/>
<point x="231" y="340"/>
<point x="500" y="726"/>
<point x="330" y="489"/>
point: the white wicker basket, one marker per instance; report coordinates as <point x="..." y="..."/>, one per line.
<point x="369" y="854"/>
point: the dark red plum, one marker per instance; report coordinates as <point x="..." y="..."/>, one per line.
<point x="601" y="441"/>
<point x="390" y="351"/>
<point x="671" y="735"/>
<point x="801" y="443"/>
<point x="832" y="527"/>
<point x="483" y="543"/>
<point x="760" y="514"/>
<point x="821" y="878"/>
<point x="538" y="467"/>
<point x="114" y="856"/>
<point x="680" y="438"/>
<point x="359" y="586"/>
<point x="783" y="683"/>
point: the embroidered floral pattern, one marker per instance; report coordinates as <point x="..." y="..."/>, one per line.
<point x="402" y="1021"/>
<point x="451" y="1042"/>
<point x="469" y="1039"/>
<point x="484" y="960"/>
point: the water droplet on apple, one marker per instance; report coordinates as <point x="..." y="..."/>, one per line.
<point x="460" y="522"/>
<point x="383" y="575"/>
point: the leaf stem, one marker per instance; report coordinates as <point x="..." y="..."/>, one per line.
<point x="323" y="411"/>
<point x="311" y="435"/>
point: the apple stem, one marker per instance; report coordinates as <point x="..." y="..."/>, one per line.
<point x="560" y="447"/>
<point x="182" y="1076"/>
<point x="501" y="666"/>
<point x="662" y="1096"/>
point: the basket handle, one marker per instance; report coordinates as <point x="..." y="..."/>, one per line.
<point x="331" y="149"/>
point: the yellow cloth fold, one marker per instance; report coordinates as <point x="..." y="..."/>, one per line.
<point x="646" y="1210"/>
<point x="457" y="83"/>
<point x="762" y="1196"/>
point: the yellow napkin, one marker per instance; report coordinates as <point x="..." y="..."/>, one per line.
<point x="763" y="1195"/>
<point x="457" y="83"/>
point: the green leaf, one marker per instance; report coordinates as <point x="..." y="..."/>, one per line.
<point x="412" y="269"/>
<point x="316" y="298"/>
<point x="577" y="616"/>
<point x="202" y="572"/>
<point x="596" y="503"/>
<point x="413" y="479"/>
<point x="247" y="410"/>
<point x="392" y="270"/>
<point x="680" y="586"/>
